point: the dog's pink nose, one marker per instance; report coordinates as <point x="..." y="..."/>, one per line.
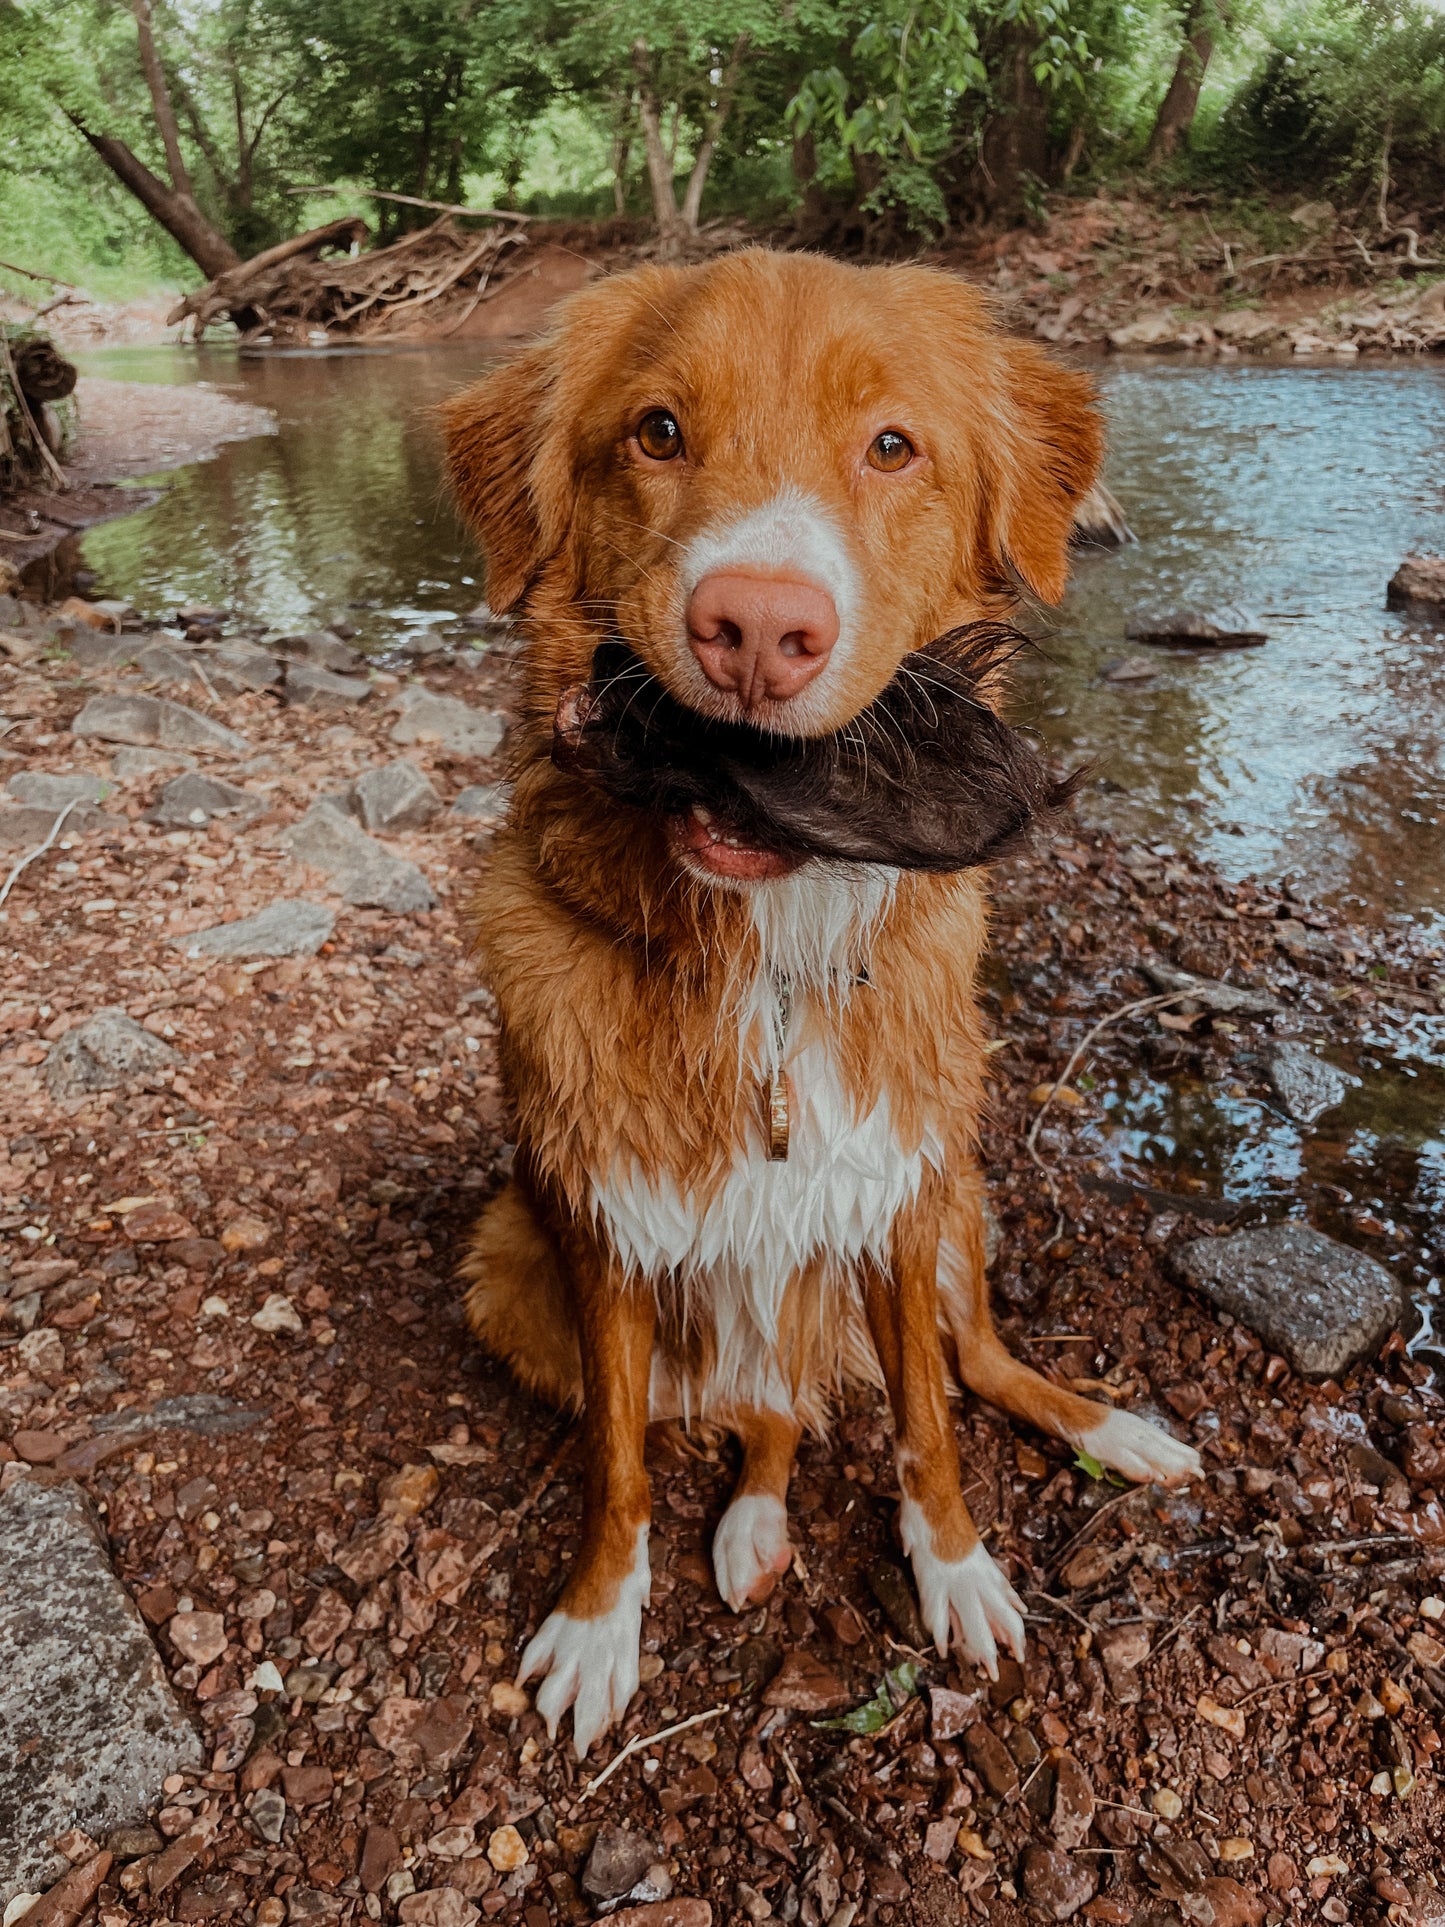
<point x="760" y="637"/>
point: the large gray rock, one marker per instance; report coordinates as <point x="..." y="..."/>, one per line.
<point x="325" y="649"/>
<point x="152" y="722"/>
<point x="321" y="688"/>
<point x="89" y="1726"/>
<point x="238" y="666"/>
<point x="394" y="798"/>
<point x="488" y="800"/>
<point x="290" y="928"/>
<point x="189" y="802"/>
<point x="132" y="765"/>
<point x="104" y="1052"/>
<point x="359" y="867"/>
<point x="46" y="792"/>
<point x="163" y="662"/>
<point x="1306" y="1085"/>
<point x="90" y="650"/>
<point x="427" y="718"/>
<point x="1320" y="1304"/>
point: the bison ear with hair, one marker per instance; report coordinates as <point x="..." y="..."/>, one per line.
<point x="1049" y="463"/>
<point x="508" y="478"/>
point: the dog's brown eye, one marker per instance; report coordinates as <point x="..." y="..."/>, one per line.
<point x="890" y="451"/>
<point x="659" y="436"/>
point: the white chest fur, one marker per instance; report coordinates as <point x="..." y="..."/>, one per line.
<point x="846" y="1177"/>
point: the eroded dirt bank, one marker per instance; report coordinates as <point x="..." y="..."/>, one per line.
<point x="346" y="1529"/>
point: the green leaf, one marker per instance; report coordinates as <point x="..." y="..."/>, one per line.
<point x="1086" y="1462"/>
<point x="891" y="1695"/>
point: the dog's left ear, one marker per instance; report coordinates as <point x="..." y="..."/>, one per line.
<point x="508" y="473"/>
<point x="1047" y="463"/>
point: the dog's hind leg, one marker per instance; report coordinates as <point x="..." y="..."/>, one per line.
<point x="517" y="1303"/>
<point x="1130" y="1445"/>
<point x="751" y="1549"/>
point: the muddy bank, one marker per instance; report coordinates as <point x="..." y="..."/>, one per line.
<point x="229" y="1314"/>
<point x="127" y="428"/>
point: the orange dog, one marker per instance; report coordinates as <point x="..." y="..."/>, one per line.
<point x="746" y="1081"/>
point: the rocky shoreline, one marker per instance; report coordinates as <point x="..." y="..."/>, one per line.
<point x="251" y="1104"/>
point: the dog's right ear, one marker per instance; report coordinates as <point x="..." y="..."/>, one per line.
<point x="508" y="473"/>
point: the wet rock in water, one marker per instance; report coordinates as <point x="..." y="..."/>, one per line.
<point x="45" y="792"/>
<point x="1418" y="583"/>
<point x="89" y="1726"/>
<point x="104" y="1052"/>
<point x="1130" y="669"/>
<point x="1228" y="999"/>
<point x="151" y="722"/>
<point x="395" y="797"/>
<point x="318" y="688"/>
<point x="360" y="868"/>
<point x="130" y="765"/>
<point x="324" y="648"/>
<point x="1189" y="628"/>
<point x="428" y="718"/>
<point x="239" y="666"/>
<point x="1320" y="1304"/>
<point x="485" y="800"/>
<point x="1099" y="521"/>
<point x="190" y="801"/>
<point x="290" y="928"/>
<point x="1306" y="1085"/>
<point x="618" y="1860"/>
<point x="1056" y="1883"/>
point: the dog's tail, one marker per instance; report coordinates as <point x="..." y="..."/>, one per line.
<point x="517" y="1304"/>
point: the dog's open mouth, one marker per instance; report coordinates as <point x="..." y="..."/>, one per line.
<point x="927" y="777"/>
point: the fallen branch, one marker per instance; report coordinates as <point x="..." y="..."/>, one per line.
<point x="39" y="850"/>
<point x="413" y="200"/>
<point x="643" y="1740"/>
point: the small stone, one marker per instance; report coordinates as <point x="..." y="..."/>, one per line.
<point x="1227" y="629"/>
<point x="1418" y="583"/>
<point x="42" y="1353"/>
<point x="1431" y="1607"/>
<point x="105" y="1051"/>
<point x="278" y="1314"/>
<point x="267" y="1810"/>
<point x="157" y="1224"/>
<point x="133" y="1843"/>
<point x="198" y="1637"/>
<point x="952" y="1713"/>
<point x="1327" y="1866"/>
<point x="427" y="718"/>
<point x="1166" y="1803"/>
<point x="891" y="1589"/>
<point x="289" y="928"/>
<point x="363" y="870"/>
<point x="1425" y="1650"/>
<point x="618" y="1860"/>
<point x="152" y="722"/>
<point x="508" y="1700"/>
<point x="1319" y="1303"/>
<point x="324" y="648"/>
<point x="38" y="1448"/>
<point x="246" y="1234"/>
<point x="69" y="1898"/>
<point x="1236" y="1848"/>
<point x="328" y="1619"/>
<point x="804" y="1684"/>
<point x="321" y="688"/>
<point x="1073" y="1809"/>
<point x="1306" y="1085"/>
<point x="410" y="1491"/>
<point x="307" y="1786"/>
<point x="131" y="765"/>
<point x="1229" y="1719"/>
<point x="507" y="1850"/>
<point x="238" y="666"/>
<point x="380" y="1858"/>
<point x="991" y="1761"/>
<point x="665" y="1913"/>
<point x="438" y="1907"/>
<point x="372" y="1551"/>
<point x="395" y="798"/>
<point x="1123" y="1649"/>
<point x="1056" y="1883"/>
<point x="939" y="1839"/>
<point x="190" y="801"/>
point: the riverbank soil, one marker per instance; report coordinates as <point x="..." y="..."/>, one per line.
<point x="230" y="1313"/>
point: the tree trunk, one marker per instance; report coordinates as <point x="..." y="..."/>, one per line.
<point x="716" y="121"/>
<point x="1016" y="139"/>
<point x="161" y="106"/>
<point x="1177" y="109"/>
<point x="670" y="229"/>
<point x="177" y="213"/>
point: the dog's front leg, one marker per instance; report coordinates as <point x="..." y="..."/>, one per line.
<point x="588" y="1646"/>
<point x="966" y="1600"/>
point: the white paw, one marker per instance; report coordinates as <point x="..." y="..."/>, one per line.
<point x="591" y="1664"/>
<point x="1141" y="1451"/>
<point x="966" y="1603"/>
<point x="750" y="1549"/>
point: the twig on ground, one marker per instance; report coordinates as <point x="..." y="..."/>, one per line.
<point x="39" y="849"/>
<point x="1169" y="1638"/>
<point x="1278" y="1685"/>
<point x="1090" y="1525"/>
<point x="643" y="1740"/>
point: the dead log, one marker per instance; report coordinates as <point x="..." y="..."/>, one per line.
<point x="232" y="292"/>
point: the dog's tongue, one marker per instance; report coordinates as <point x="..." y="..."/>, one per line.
<point x="928" y="777"/>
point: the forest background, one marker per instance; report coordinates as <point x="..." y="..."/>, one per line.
<point x="148" y="142"/>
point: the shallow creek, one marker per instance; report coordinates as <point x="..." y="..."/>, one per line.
<point x="1318" y="760"/>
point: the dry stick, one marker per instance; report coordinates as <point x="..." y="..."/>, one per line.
<point x="1088" y="1527"/>
<point x="1170" y="1637"/>
<point x="13" y="267"/>
<point x="647" y="1739"/>
<point x="40" y="850"/>
<point x="413" y="200"/>
<point x="1061" y="1083"/>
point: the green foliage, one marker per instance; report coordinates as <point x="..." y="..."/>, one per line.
<point x="890" y="1696"/>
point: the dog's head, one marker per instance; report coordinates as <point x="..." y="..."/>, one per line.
<point x="772" y="477"/>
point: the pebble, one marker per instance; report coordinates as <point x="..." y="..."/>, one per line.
<point x="1306" y="1085"/>
<point x="198" y="1637"/>
<point x="1166" y="1803"/>
<point x="437" y="1907"/>
<point x="1072" y="1815"/>
<point x="991" y="1761"/>
<point x="246" y="1234"/>
<point x="1055" y="1882"/>
<point x="507" y="1850"/>
<point x="804" y="1684"/>
<point x="278" y="1314"/>
<point x="267" y="1810"/>
<point x="105" y="1051"/>
<point x="410" y="1491"/>
<point x="618" y="1860"/>
<point x="192" y="800"/>
<point x="1236" y="1848"/>
<point x="508" y="1700"/>
<point x="1229" y="1719"/>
